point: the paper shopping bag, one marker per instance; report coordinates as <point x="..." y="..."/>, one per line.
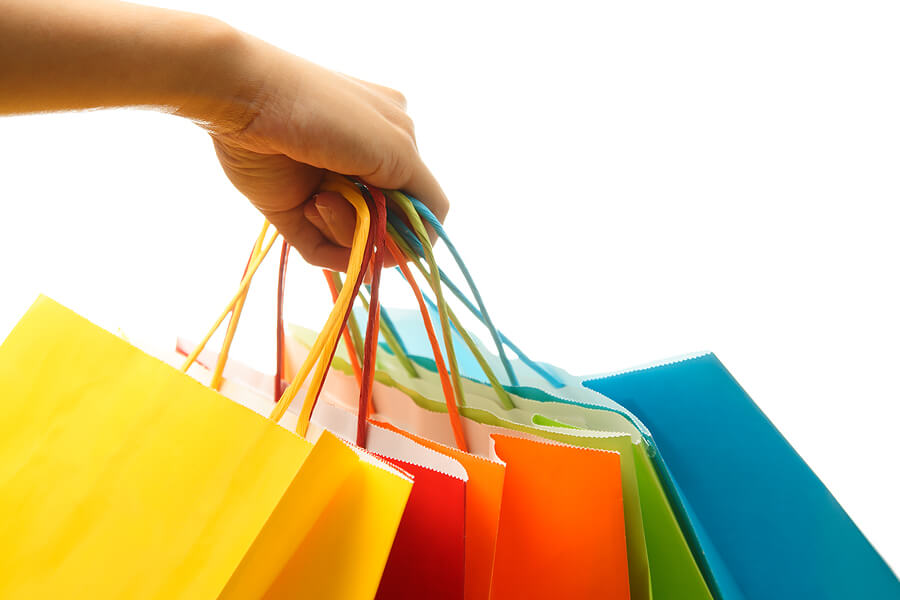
<point x="561" y="532"/>
<point x="484" y="489"/>
<point x="427" y="559"/>
<point x="344" y="555"/>
<point x="769" y="527"/>
<point x="122" y="478"/>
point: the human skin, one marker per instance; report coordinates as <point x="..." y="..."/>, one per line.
<point x="277" y="122"/>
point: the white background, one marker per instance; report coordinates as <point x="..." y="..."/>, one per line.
<point x="629" y="182"/>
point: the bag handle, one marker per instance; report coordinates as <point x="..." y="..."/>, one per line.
<point x="449" y="398"/>
<point x="327" y="338"/>
<point x="217" y="375"/>
<point x="335" y="286"/>
<point x="239" y="295"/>
<point x="375" y="199"/>
<point x="333" y="278"/>
<point x="279" y="383"/>
<point x="411" y="239"/>
<point x="216" y="379"/>
<point x="324" y="365"/>
<point x="354" y="342"/>
<point x="334" y="283"/>
<point x="403" y="203"/>
<point x="388" y="331"/>
<point x="373" y="258"/>
<point x="326" y="341"/>
<point x="502" y="395"/>
<point x="438" y="227"/>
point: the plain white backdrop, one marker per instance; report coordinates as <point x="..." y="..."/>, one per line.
<point x="629" y="181"/>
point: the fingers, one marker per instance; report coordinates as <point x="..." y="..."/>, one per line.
<point x="368" y="133"/>
<point x="339" y="124"/>
<point x="419" y="183"/>
<point x="279" y="188"/>
<point x="309" y="241"/>
<point x="334" y="216"/>
<point x="424" y="186"/>
<point x="403" y="167"/>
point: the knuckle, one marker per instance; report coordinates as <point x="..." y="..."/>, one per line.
<point x="396" y="96"/>
<point x="412" y="148"/>
<point x="406" y="124"/>
<point x="398" y="166"/>
<point x="407" y="148"/>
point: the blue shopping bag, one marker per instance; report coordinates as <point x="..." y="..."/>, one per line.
<point x="768" y="526"/>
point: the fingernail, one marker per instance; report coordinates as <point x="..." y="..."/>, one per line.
<point x="326" y="213"/>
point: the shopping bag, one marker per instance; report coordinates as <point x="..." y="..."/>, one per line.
<point x="770" y="528"/>
<point x="344" y="555"/>
<point x="123" y="478"/>
<point x="356" y="531"/>
<point x="542" y="551"/>
<point x="427" y="559"/>
<point x="484" y="489"/>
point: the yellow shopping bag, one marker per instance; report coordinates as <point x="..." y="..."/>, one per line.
<point x="343" y="556"/>
<point x="121" y="477"/>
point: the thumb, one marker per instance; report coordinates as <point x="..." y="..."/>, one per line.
<point x="334" y="216"/>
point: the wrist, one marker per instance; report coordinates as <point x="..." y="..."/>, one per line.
<point x="221" y="78"/>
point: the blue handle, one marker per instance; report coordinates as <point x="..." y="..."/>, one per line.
<point x="481" y="315"/>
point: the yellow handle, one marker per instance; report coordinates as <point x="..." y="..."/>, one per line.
<point x="242" y="290"/>
<point x="328" y="337"/>
<point x="216" y="379"/>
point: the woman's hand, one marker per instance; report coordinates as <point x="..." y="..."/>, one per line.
<point x="305" y="120"/>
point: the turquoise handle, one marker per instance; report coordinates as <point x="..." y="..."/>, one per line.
<point x="481" y="315"/>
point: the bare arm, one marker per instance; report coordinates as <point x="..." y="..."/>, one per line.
<point x="78" y="54"/>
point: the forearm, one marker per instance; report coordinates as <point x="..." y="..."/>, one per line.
<point x="80" y="54"/>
